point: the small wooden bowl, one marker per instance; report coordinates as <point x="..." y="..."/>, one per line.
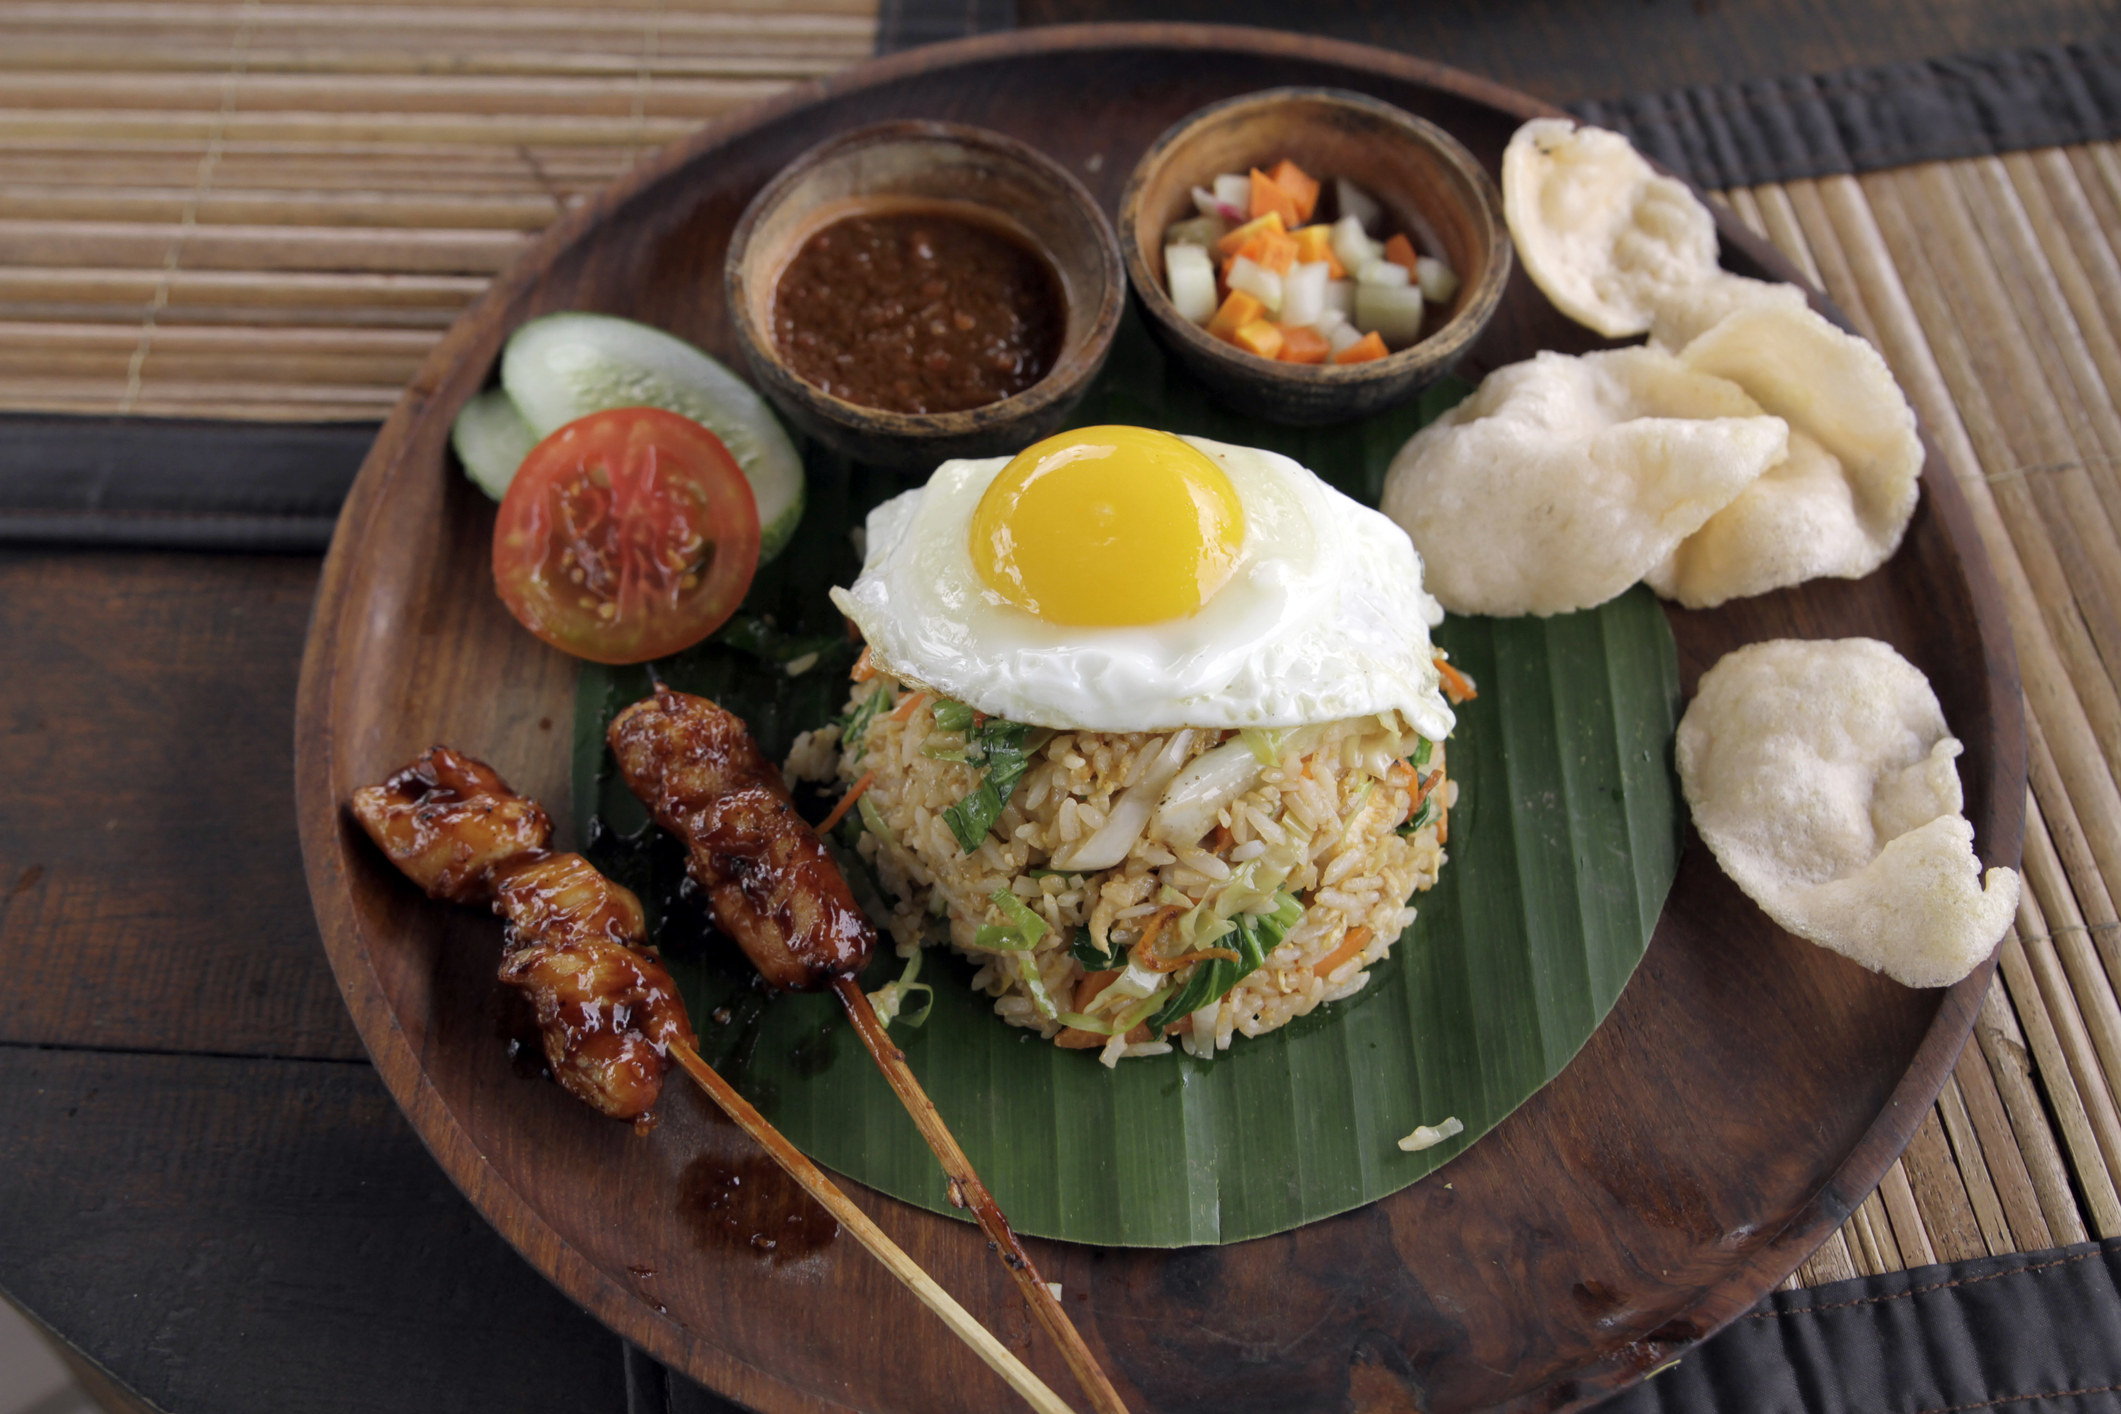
<point x="1429" y="185"/>
<point x="922" y="164"/>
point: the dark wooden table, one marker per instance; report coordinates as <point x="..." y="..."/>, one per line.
<point x="207" y="1192"/>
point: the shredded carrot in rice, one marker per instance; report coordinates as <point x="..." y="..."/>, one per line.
<point x="1351" y="946"/>
<point x="1456" y="685"/>
<point x="863" y="668"/>
<point x="1145" y="956"/>
<point x="854" y="793"/>
<point x="907" y="708"/>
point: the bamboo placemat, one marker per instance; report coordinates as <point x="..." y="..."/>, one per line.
<point x="1992" y="287"/>
<point x="272" y="211"/>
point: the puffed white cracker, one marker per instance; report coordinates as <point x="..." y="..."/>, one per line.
<point x="1840" y="503"/>
<point x="1604" y="236"/>
<point x="1821" y="776"/>
<point x="1561" y="481"/>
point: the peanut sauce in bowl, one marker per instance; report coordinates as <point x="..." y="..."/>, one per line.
<point x="912" y="291"/>
<point x="918" y="311"/>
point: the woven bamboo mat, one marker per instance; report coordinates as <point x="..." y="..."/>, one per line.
<point x="273" y="211"/>
<point x="1992" y="287"/>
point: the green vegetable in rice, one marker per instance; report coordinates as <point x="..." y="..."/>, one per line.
<point x="854" y="725"/>
<point x="1022" y="933"/>
<point x="1003" y="751"/>
<point x="1256" y="936"/>
<point x="1088" y="953"/>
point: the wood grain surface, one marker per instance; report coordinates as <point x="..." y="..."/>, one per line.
<point x="208" y="1191"/>
<point x="1746" y="1094"/>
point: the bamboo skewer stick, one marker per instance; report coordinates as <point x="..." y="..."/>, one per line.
<point x="963" y="1325"/>
<point x="966" y="1190"/>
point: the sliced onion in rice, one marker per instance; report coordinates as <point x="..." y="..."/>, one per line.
<point x="1200" y="792"/>
<point x="1129" y="816"/>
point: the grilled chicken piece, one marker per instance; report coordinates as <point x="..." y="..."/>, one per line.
<point x="448" y="822"/>
<point x="772" y="884"/>
<point x="576" y="941"/>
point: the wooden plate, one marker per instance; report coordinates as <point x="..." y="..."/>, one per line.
<point x="1747" y="1091"/>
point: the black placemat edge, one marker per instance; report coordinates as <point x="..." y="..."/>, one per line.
<point x="2028" y="1329"/>
<point x="175" y="483"/>
<point x="1867" y="119"/>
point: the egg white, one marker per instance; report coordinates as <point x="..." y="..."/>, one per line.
<point x="1324" y="618"/>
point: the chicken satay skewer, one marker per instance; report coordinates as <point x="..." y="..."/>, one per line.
<point x="777" y="892"/>
<point x="607" y="1009"/>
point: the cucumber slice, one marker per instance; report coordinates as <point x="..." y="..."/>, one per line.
<point x="491" y="439"/>
<point x="564" y="366"/>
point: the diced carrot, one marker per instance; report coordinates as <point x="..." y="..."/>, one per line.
<point x="1400" y="251"/>
<point x="1086" y="990"/>
<point x="1369" y="346"/>
<point x="1275" y="250"/>
<point x="1234" y="241"/>
<point x="1266" y="197"/>
<point x="854" y="793"/>
<point x="1237" y="311"/>
<point x="1261" y="336"/>
<point x="1300" y="343"/>
<point x="1457" y="684"/>
<point x="1299" y="184"/>
<point x="1315" y="243"/>
<point x="1351" y="946"/>
<point x="1074" y="1038"/>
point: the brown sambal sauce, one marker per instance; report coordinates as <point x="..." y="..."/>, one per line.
<point x="918" y="312"/>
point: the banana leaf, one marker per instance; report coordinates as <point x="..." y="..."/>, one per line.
<point x="1562" y="847"/>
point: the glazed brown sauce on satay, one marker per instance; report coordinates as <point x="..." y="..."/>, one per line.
<point x="576" y="943"/>
<point x="918" y="311"/>
<point x="772" y="884"/>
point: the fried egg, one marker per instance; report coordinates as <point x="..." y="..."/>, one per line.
<point x="1122" y="579"/>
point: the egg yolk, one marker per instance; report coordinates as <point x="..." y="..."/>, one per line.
<point x="1108" y="526"/>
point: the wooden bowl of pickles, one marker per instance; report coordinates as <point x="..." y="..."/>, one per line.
<point x="1313" y="255"/>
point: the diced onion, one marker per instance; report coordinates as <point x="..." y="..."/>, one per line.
<point x="1201" y="231"/>
<point x="1438" y="281"/>
<point x="1342" y="335"/>
<point x="1129" y="815"/>
<point x="1351" y="247"/>
<point x="1234" y="189"/>
<point x="1359" y="204"/>
<point x="1257" y="281"/>
<point x="1392" y="312"/>
<point x="1340" y="296"/>
<point x="1191" y="278"/>
<point x="1389" y="273"/>
<point x="1198" y="794"/>
<point x="1303" y="292"/>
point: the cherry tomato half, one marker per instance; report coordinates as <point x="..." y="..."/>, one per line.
<point x="626" y="535"/>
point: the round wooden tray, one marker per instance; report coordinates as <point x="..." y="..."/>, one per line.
<point x="1746" y="1092"/>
